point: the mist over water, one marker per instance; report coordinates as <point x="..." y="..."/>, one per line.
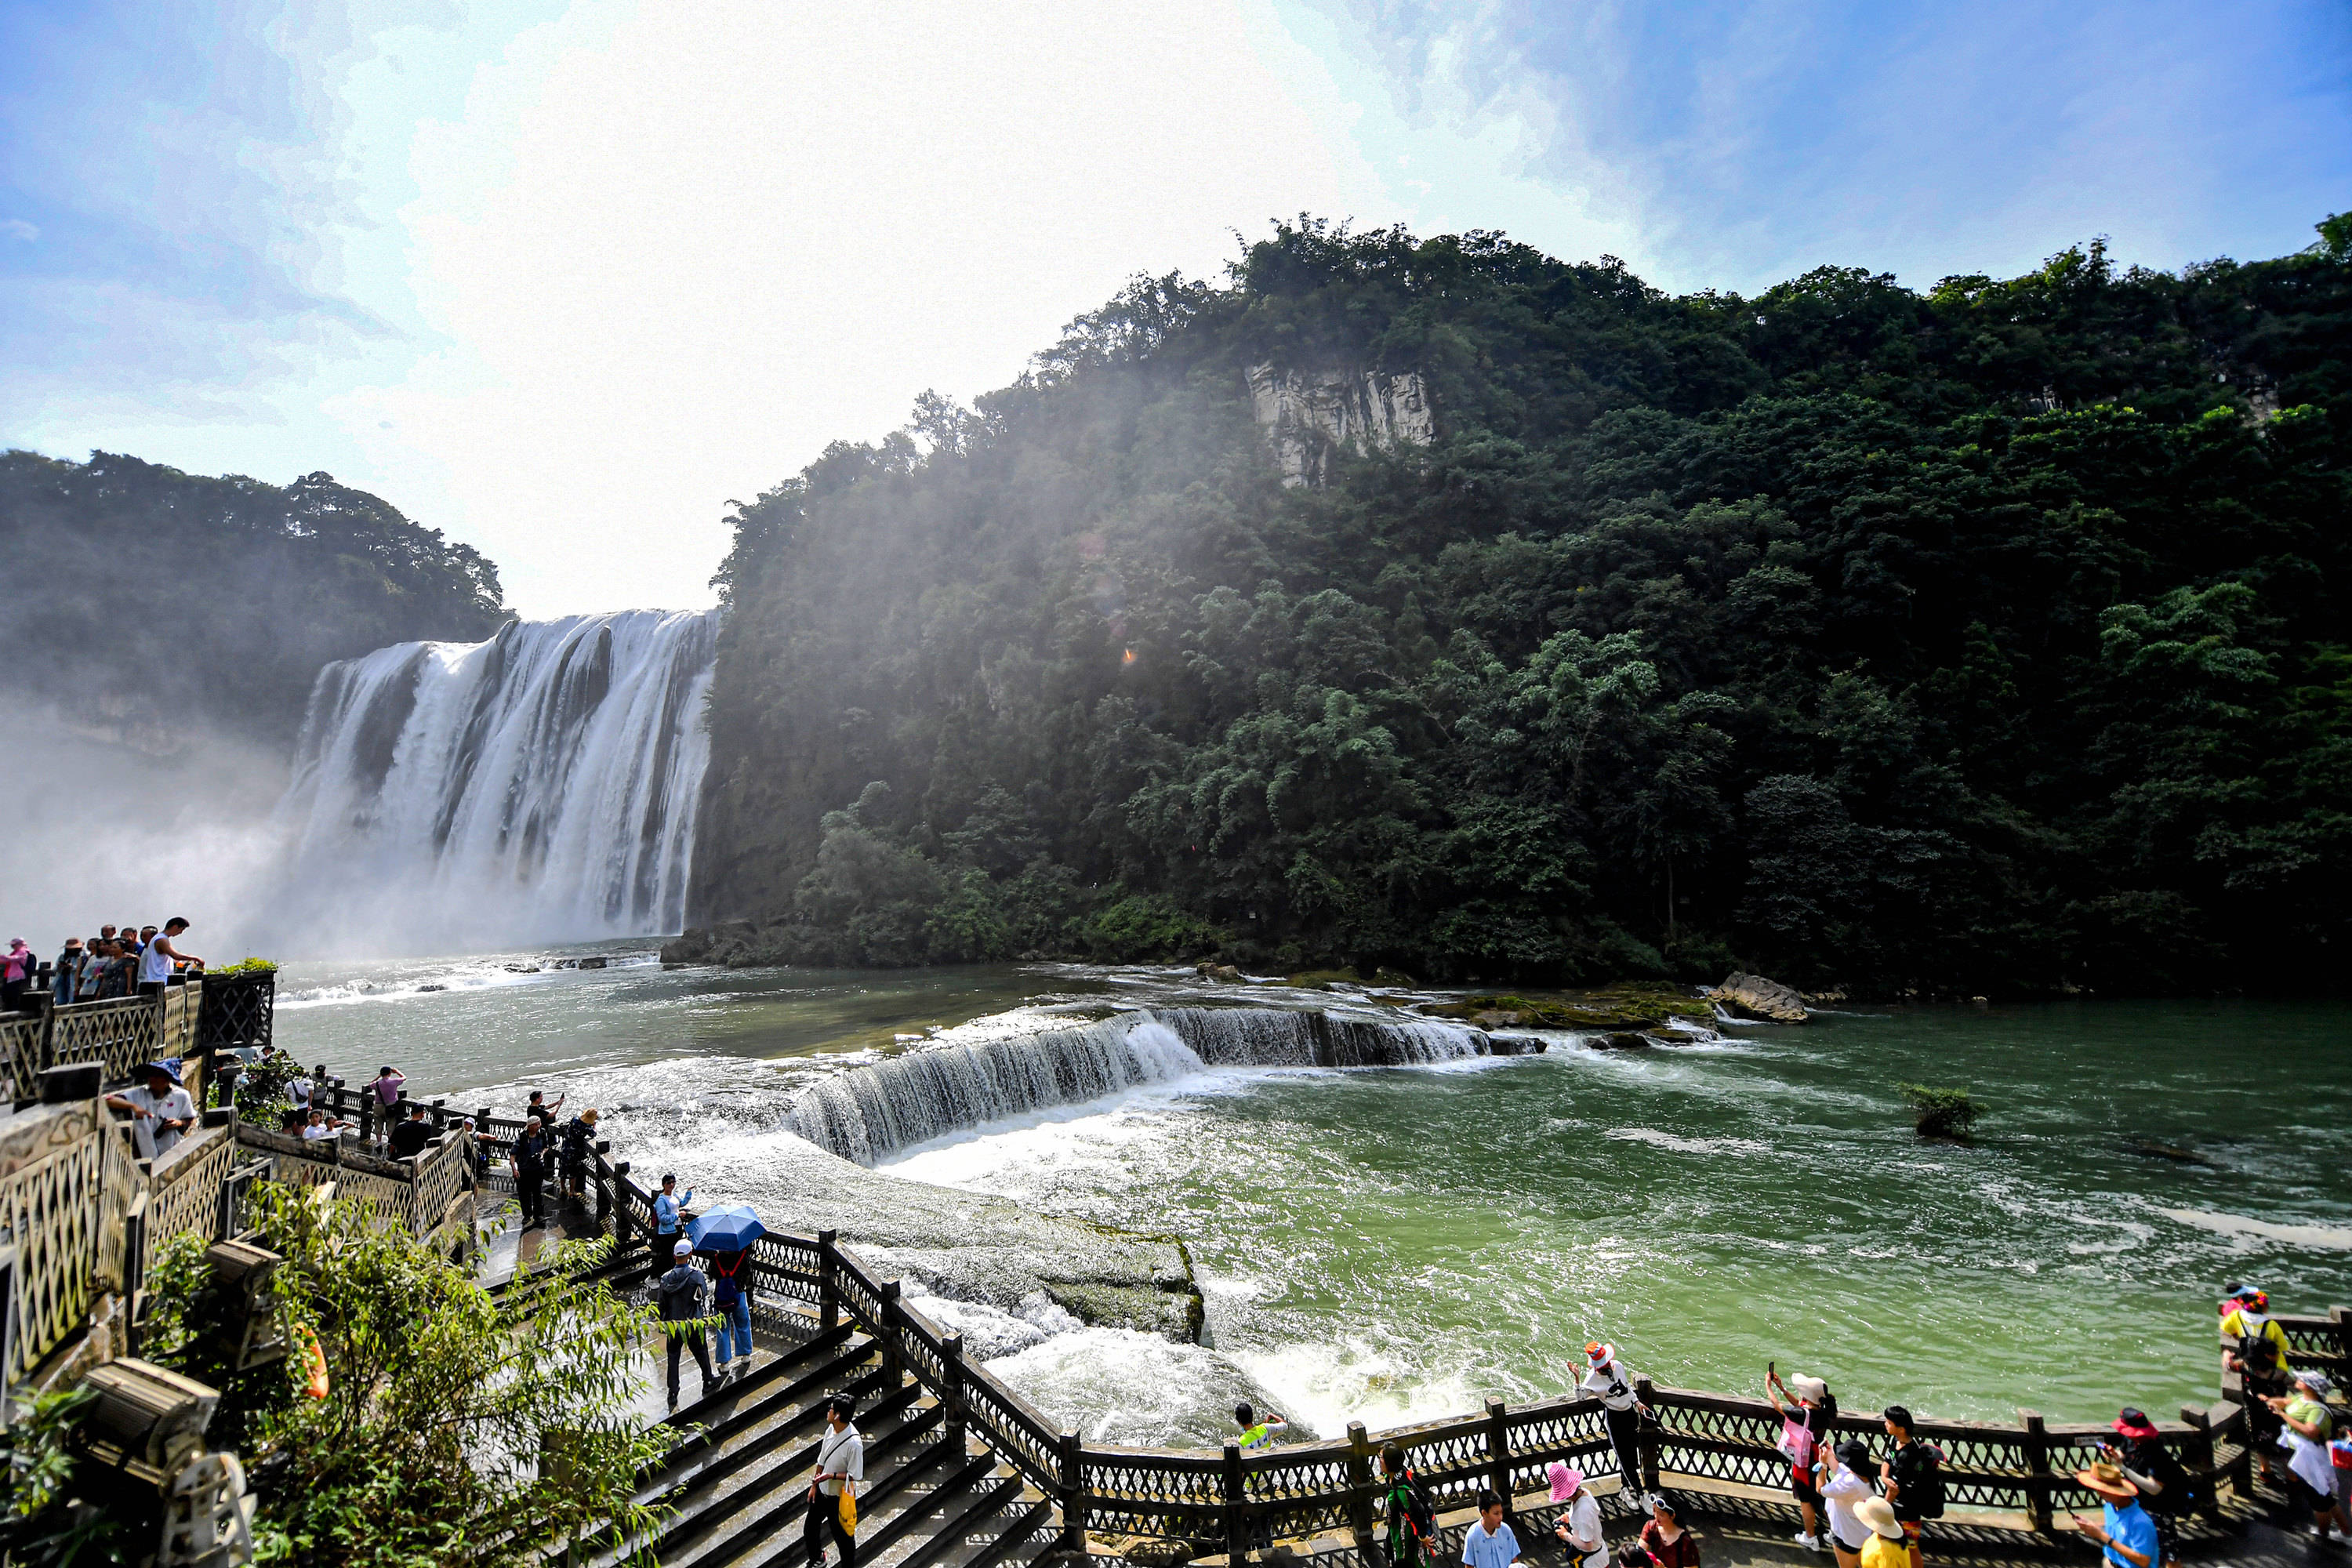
<point x="539" y="786"/>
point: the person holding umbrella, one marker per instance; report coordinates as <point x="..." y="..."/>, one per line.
<point x="727" y="1233"/>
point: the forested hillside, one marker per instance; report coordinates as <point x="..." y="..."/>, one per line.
<point x="1992" y="638"/>
<point x="142" y="599"/>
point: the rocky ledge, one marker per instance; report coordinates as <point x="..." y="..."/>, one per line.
<point x="1753" y="996"/>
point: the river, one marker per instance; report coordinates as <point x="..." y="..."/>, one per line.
<point x="1395" y="1244"/>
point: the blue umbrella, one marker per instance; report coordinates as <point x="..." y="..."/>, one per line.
<point x="730" y="1229"/>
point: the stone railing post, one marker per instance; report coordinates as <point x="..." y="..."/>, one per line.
<point x="1649" y="1436"/>
<point x="2197" y="1457"/>
<point x="951" y="1391"/>
<point x="226" y="1069"/>
<point x="2040" y="1484"/>
<point x="1359" y="1488"/>
<point x="828" y="1288"/>
<point x="2342" y="1318"/>
<point x="1499" y="1454"/>
<point x="1237" y="1545"/>
<point x="440" y="1109"/>
<point x="1073" y="1491"/>
<point x="604" y="1182"/>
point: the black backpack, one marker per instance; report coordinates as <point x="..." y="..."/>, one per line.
<point x="2258" y="1353"/>
<point x="1918" y="1470"/>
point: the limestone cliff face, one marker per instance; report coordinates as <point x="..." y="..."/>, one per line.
<point x="1309" y="415"/>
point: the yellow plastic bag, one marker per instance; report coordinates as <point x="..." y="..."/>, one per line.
<point x="848" y="1507"/>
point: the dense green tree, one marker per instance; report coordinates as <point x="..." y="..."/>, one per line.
<point x="1991" y="636"/>
<point x="142" y="597"/>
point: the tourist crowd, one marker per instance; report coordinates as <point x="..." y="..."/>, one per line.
<point x="1869" y="1505"/>
<point x="120" y="961"/>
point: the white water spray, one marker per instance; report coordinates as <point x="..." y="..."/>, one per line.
<point x="539" y="786"/>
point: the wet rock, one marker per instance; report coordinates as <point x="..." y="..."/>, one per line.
<point x="592" y="963"/>
<point x="1754" y="997"/>
<point x="1220" y="973"/>
<point x="2174" y="1152"/>
<point x="1623" y="1040"/>
<point x="521" y="968"/>
<point x="1516" y="1045"/>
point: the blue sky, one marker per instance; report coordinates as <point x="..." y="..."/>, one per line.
<point x="562" y="278"/>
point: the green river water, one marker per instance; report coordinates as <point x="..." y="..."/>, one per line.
<point x="1389" y="1245"/>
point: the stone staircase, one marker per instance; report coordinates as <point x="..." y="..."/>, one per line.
<point x="733" y="1489"/>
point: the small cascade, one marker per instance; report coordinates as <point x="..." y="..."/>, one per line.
<point x="541" y="786"/>
<point x="870" y="1112"/>
<point x="1281" y="1037"/>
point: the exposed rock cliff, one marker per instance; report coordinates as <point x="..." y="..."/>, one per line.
<point x="1310" y="414"/>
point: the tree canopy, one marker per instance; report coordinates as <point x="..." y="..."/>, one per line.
<point x="1988" y="638"/>
<point x="140" y="597"/>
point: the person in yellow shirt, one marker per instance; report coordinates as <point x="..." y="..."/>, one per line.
<point x="2254" y="1347"/>
<point x="1886" y="1547"/>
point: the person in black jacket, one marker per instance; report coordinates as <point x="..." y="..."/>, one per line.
<point x="683" y="1292"/>
<point x="1412" y="1518"/>
<point x="530" y="1163"/>
<point x="579" y="1138"/>
<point x="2165" y="1489"/>
<point x="408" y="1139"/>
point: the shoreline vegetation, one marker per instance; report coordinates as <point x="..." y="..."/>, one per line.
<point x="1438" y="606"/>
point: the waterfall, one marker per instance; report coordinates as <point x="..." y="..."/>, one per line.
<point x="538" y="786"/>
<point x="874" y="1110"/>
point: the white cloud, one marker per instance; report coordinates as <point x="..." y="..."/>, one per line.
<point x="18" y="228"/>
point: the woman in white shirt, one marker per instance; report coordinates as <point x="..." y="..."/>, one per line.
<point x="1844" y="1482"/>
<point x="1578" y="1525"/>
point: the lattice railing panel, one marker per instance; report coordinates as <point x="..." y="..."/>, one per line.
<point x="20" y="1050"/>
<point x="1014" y="1430"/>
<point x="184" y="1196"/>
<point x="1154" y="1491"/>
<point x="119" y="1033"/>
<point x="181" y="1004"/>
<point x="57" y="1165"/>
<point x="237" y="1010"/>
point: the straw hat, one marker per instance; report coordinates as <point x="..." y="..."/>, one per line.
<point x="1879" y="1514"/>
<point x="1564" y="1481"/>
<point x="2108" y="1481"/>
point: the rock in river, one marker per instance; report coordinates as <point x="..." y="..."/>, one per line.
<point x="1753" y="996"/>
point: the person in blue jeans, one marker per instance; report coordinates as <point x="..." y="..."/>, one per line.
<point x="730" y="1294"/>
<point x="2125" y="1533"/>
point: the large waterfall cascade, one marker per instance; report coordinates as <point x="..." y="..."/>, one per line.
<point x="872" y="1111"/>
<point x="538" y="786"/>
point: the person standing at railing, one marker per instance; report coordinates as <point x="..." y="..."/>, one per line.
<point x="1808" y="1411"/>
<point x="2254" y="1347"/>
<point x="1845" y="1484"/>
<point x="66" y="974"/>
<point x="2310" y="1476"/>
<point x="1608" y="1381"/>
<point x="158" y="957"/>
<point x="2126" y="1534"/>
<point x="579" y="1135"/>
<point x="529" y="1162"/>
<point x="161" y="1109"/>
<point x="2165" y="1489"/>
<point x="683" y="1292"/>
<point x="407" y="1141"/>
<point x="832" y="1492"/>
<point x="16" y="974"/>
<point x="1412" y="1518"/>
<point x="668" y="1207"/>
<point x="1913" y="1475"/>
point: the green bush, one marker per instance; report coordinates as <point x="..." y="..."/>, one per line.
<point x="246" y="966"/>
<point x="1940" y="1113"/>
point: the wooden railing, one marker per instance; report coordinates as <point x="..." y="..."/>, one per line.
<point x="2004" y="1481"/>
<point x="426" y="1193"/>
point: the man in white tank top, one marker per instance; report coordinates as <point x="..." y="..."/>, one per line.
<point x="155" y="959"/>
